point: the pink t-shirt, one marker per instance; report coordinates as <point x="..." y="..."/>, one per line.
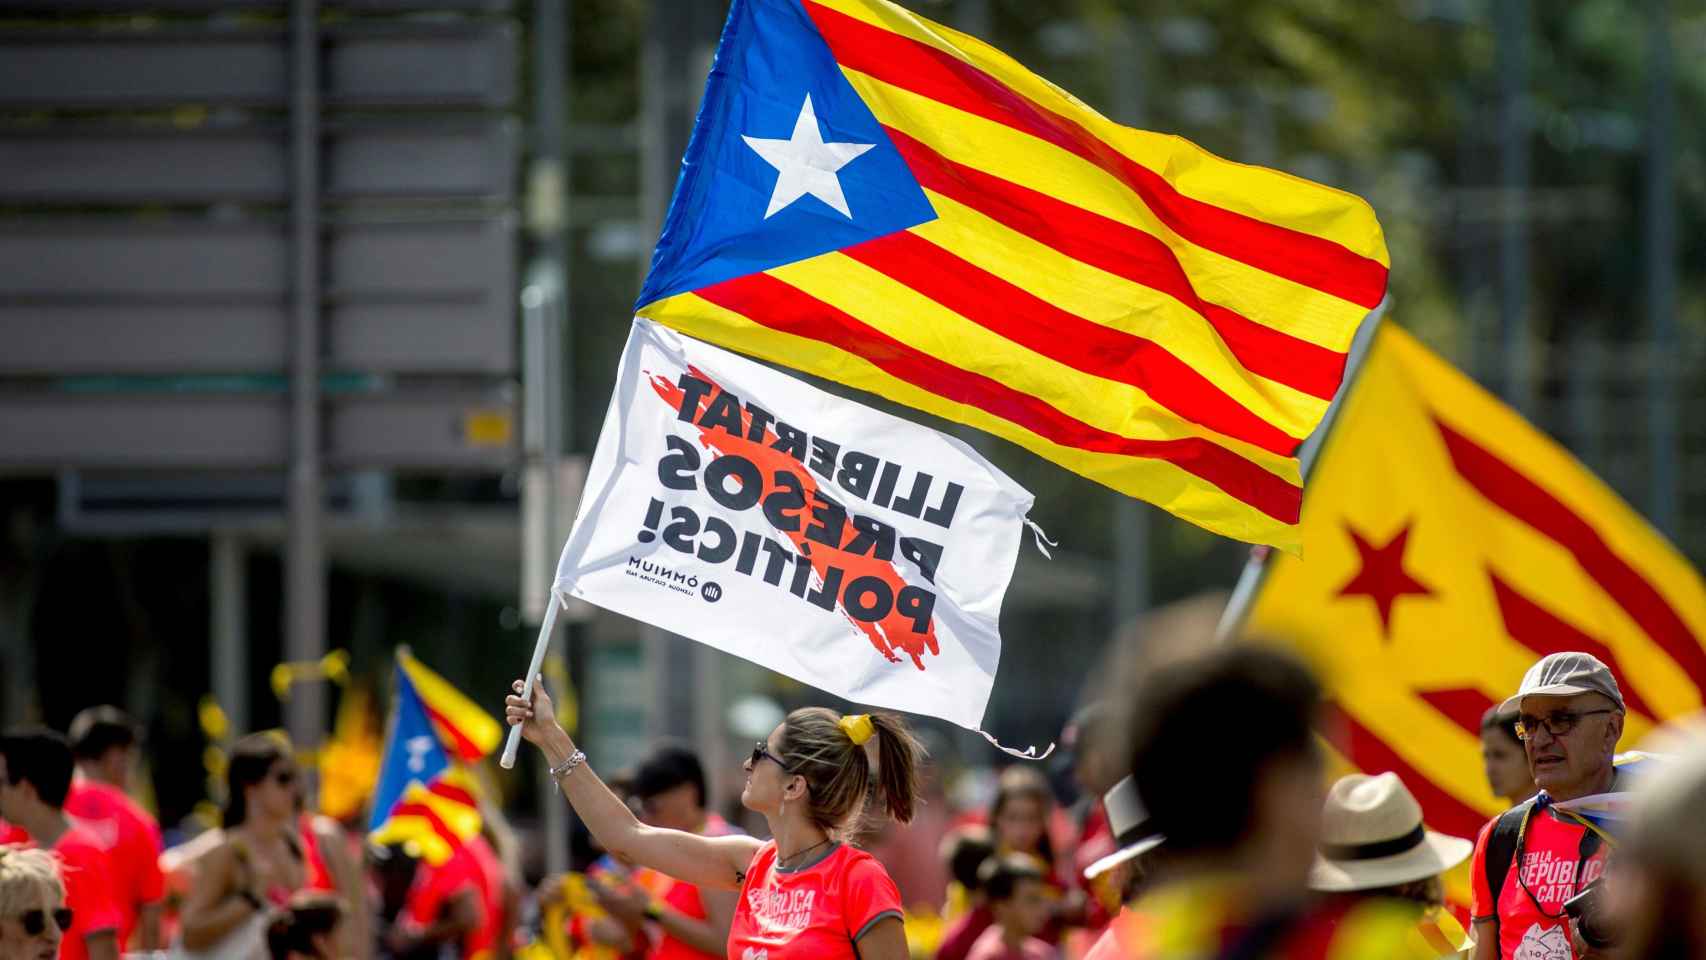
<point x="131" y="839"/>
<point x="813" y="912"/>
<point x="990" y="946"/>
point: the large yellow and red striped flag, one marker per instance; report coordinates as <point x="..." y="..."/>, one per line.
<point x="1448" y="545"/>
<point x="880" y="200"/>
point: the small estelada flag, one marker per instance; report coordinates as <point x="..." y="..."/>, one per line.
<point x="425" y="799"/>
<point x="877" y="199"/>
<point x="467" y="730"/>
<point x="1448" y="545"/>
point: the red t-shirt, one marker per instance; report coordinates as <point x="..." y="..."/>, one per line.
<point x="962" y="933"/>
<point x="131" y="839"/>
<point x="685" y="898"/>
<point x="492" y="881"/>
<point x="88" y="891"/>
<point x="1110" y="946"/>
<point x="1094" y="842"/>
<point x="990" y="946"/>
<point x="1549" y="865"/>
<point x="10" y="835"/>
<point x="435" y="886"/>
<point x="812" y="912"/>
<point x="315" y="873"/>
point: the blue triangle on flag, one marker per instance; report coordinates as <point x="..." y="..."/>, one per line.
<point x="412" y="754"/>
<point x="770" y="60"/>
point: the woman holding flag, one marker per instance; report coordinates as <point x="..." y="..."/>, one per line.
<point x="803" y="894"/>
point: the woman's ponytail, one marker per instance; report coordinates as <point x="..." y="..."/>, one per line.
<point x="898" y="756"/>
<point x="831" y="752"/>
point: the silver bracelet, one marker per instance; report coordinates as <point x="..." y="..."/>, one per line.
<point x="568" y="766"/>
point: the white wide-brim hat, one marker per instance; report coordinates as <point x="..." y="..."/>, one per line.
<point x="1129" y="821"/>
<point x="1372" y="836"/>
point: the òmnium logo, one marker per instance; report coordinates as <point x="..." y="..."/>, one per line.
<point x="660" y="575"/>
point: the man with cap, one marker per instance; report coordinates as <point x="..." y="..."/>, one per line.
<point x="1375" y="849"/>
<point x="1534" y="857"/>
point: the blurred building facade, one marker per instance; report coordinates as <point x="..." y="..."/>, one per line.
<point x="476" y="246"/>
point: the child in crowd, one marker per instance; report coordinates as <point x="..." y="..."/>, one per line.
<point x="967" y="915"/>
<point x="1018" y="896"/>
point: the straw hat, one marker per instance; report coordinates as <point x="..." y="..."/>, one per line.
<point x="1130" y="824"/>
<point x="1372" y="837"/>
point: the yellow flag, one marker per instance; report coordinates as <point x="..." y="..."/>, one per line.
<point x="1448" y="545"/>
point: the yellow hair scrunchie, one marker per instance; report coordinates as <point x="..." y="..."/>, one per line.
<point x="858" y="728"/>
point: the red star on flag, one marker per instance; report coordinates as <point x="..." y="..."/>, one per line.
<point x="1382" y="577"/>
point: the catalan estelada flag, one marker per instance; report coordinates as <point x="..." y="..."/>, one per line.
<point x="423" y="799"/>
<point x="877" y="199"/>
<point x="468" y="731"/>
<point x="1448" y="545"/>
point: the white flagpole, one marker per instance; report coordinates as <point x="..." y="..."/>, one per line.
<point x="1256" y="568"/>
<point x="507" y="761"/>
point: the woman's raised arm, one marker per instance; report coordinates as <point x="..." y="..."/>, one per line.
<point x="714" y="862"/>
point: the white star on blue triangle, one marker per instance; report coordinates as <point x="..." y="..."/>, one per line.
<point x="786" y="161"/>
<point x="805" y="164"/>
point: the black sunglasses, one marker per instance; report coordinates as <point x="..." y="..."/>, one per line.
<point x="761" y="751"/>
<point x="35" y="921"/>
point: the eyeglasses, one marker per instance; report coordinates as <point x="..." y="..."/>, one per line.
<point x="35" y="921"/>
<point x="761" y="751"/>
<point x="1558" y="724"/>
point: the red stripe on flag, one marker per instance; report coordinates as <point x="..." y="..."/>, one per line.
<point x="1540" y="630"/>
<point x="453" y="793"/>
<point x="1508" y="489"/>
<point x="432" y="818"/>
<point x="916" y="66"/>
<point x="464" y="748"/>
<point x="1125" y="252"/>
<point x="767" y="300"/>
<point x="1026" y="319"/>
<point x="1442" y="810"/>
<point x="1464" y="706"/>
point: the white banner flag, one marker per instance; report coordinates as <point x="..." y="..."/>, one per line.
<point x="843" y="547"/>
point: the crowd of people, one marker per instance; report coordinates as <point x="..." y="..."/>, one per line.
<point x="1204" y="829"/>
<point x="1219" y="840"/>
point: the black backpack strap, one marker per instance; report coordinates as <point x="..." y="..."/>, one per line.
<point x="1501" y="850"/>
<point x="1260" y="939"/>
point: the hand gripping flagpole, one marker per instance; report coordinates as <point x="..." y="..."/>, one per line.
<point x="1256" y="568"/>
<point x="507" y="761"/>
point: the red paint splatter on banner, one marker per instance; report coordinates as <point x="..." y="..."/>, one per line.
<point x="895" y="629"/>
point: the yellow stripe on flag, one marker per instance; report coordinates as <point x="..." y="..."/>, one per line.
<point x="1257" y="192"/>
<point x="1017" y="157"/>
<point x="902" y="312"/>
<point x="1156" y="481"/>
<point x="1118" y="304"/>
